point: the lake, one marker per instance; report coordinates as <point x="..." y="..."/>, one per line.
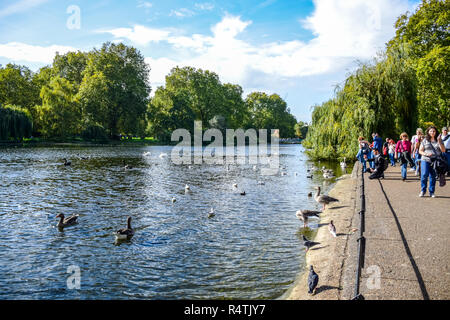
<point x="250" y="249"/>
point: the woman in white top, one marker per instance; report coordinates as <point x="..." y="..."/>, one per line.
<point x="430" y="147"/>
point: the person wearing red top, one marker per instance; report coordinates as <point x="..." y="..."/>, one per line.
<point x="403" y="152"/>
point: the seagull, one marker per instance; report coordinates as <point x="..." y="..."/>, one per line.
<point x="187" y="188"/>
<point x="332" y="229"/>
<point x="125" y="233"/>
<point x="313" y="280"/>
<point x="304" y="215"/>
<point x="211" y="213"/>
<point x="173" y="199"/>
<point x="66" y="222"/>
<point x="323" y="199"/>
<point x="343" y="164"/>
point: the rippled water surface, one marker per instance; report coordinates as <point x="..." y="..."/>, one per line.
<point x="251" y="249"/>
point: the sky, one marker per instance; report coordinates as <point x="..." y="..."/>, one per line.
<point x="299" y="49"/>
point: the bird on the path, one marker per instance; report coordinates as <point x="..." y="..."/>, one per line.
<point x="313" y="280"/>
<point x="332" y="228"/>
<point x="304" y="215"/>
<point x="323" y="199"/>
<point x="125" y="233"/>
<point x="307" y="243"/>
<point x="66" y="222"/>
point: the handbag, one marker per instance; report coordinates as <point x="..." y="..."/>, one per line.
<point x="439" y="164"/>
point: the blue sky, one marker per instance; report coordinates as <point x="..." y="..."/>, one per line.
<point x="299" y="49"/>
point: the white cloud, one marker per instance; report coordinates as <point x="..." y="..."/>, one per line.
<point x="144" y="4"/>
<point x="183" y="12"/>
<point x="204" y="6"/>
<point x="20" y="6"/>
<point x="16" y="51"/>
<point x="138" y="34"/>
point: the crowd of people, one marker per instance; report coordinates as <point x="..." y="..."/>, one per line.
<point x="428" y="156"/>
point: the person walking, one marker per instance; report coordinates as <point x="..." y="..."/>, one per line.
<point x="445" y="136"/>
<point x="431" y="147"/>
<point x="403" y="152"/>
<point x="416" y="141"/>
<point x="391" y="151"/>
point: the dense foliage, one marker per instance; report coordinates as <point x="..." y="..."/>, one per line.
<point x="14" y="122"/>
<point x="405" y="87"/>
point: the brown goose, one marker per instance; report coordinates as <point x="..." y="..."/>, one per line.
<point x="66" y="222"/>
<point x="323" y="199"/>
<point x="125" y="233"/>
<point x="304" y="215"/>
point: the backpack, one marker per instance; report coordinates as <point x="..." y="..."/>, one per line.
<point x="365" y="148"/>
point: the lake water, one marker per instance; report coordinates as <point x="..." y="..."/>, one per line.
<point x="251" y="248"/>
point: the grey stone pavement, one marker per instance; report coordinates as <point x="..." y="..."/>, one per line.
<point x="407" y="255"/>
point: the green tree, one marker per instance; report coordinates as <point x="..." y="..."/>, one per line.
<point x="15" y="122"/>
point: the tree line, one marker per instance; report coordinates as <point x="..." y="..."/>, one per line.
<point x="105" y="94"/>
<point x="404" y="87"/>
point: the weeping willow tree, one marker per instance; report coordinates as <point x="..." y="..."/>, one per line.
<point x="15" y="122"/>
<point x="377" y="97"/>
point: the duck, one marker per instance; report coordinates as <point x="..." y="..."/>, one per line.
<point x="125" y="233"/>
<point x="187" y="188"/>
<point x="309" y="176"/>
<point x="67" y="163"/>
<point x="309" y="194"/>
<point x="243" y="193"/>
<point x="304" y="215"/>
<point x="173" y="200"/>
<point x="332" y="228"/>
<point x="211" y="213"/>
<point x="66" y="222"/>
<point x="323" y="199"/>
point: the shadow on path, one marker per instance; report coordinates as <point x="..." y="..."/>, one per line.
<point x="408" y="251"/>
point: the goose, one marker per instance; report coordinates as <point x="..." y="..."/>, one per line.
<point x="66" y="222"/>
<point x="323" y="199"/>
<point x="332" y="229"/>
<point x="211" y="213"/>
<point x="67" y="163"/>
<point x="313" y="280"/>
<point x="304" y="215"/>
<point x="343" y="164"/>
<point x="125" y="233"/>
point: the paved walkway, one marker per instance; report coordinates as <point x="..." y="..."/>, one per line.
<point x="407" y="239"/>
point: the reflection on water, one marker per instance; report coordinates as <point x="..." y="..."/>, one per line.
<point x="250" y="249"/>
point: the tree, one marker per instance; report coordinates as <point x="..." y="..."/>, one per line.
<point x="116" y="79"/>
<point x="15" y="122"/>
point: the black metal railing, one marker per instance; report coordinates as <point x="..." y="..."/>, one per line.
<point x="361" y="241"/>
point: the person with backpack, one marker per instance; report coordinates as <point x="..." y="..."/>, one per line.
<point x="431" y="147"/>
<point x="380" y="164"/>
<point x="403" y="152"/>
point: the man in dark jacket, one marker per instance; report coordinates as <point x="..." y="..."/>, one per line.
<point x="380" y="165"/>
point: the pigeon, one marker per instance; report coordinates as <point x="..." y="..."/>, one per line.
<point x="303" y="215"/>
<point x="307" y="243"/>
<point x="313" y="280"/>
<point x="332" y="229"/>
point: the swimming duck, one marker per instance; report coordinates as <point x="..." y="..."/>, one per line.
<point x="66" y="222"/>
<point x="67" y="163"/>
<point x="323" y="199"/>
<point x="125" y="233"/>
<point x="173" y="200"/>
<point x="211" y="213"/>
<point x="187" y="189"/>
<point x="304" y="215"/>
<point x="243" y="193"/>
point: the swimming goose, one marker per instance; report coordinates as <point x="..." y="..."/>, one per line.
<point x="125" y="233"/>
<point x="304" y="215"/>
<point x="323" y="199"/>
<point x="332" y="229"/>
<point x="67" y="163"/>
<point x="66" y="222"/>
